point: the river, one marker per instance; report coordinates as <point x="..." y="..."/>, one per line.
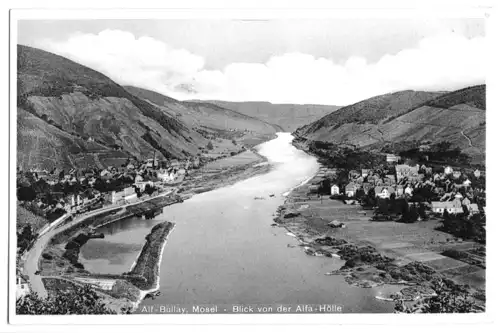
<point x="223" y="249"/>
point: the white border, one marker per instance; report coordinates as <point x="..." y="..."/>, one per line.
<point x="254" y="13"/>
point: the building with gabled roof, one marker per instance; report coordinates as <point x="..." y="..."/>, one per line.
<point x="453" y="207"/>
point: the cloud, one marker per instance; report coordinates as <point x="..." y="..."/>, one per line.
<point x="442" y="62"/>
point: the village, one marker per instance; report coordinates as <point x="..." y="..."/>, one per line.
<point x="440" y="190"/>
<point x="77" y="191"/>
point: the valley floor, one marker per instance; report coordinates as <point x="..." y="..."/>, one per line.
<point x="307" y="216"/>
<point x="57" y="271"/>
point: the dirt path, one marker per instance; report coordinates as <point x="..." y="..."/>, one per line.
<point x="467" y="137"/>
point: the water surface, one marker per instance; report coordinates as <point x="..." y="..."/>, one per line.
<point x="224" y="250"/>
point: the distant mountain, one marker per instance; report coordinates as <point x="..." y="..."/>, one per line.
<point x="458" y="117"/>
<point x="204" y="114"/>
<point x="288" y="116"/>
<point x="70" y="115"/>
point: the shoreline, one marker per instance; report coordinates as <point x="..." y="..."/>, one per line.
<point x="367" y="263"/>
<point x="220" y="178"/>
<point x="156" y="267"/>
<point x="157" y="285"/>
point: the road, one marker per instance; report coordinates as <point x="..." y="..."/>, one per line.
<point x="33" y="255"/>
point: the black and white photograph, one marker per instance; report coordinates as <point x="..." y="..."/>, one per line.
<point x="169" y="163"/>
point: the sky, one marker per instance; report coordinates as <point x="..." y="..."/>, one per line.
<point x="321" y="61"/>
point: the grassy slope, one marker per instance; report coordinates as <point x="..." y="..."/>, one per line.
<point x="25" y="217"/>
<point x="203" y="114"/>
<point x="81" y="102"/>
<point x="406" y="116"/>
<point x="458" y="117"/>
<point x="371" y="110"/>
<point x="288" y="116"/>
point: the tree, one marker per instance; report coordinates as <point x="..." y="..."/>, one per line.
<point x="383" y="207"/>
<point x="413" y="214"/>
<point x="466" y="210"/>
<point x="360" y="194"/>
<point x="421" y="211"/>
<point x="79" y="300"/>
<point x="210" y="145"/>
<point x="450" y="298"/>
<point x="404" y="208"/>
<point x="149" y="189"/>
<point x="25" y="238"/>
<point x="26" y="193"/>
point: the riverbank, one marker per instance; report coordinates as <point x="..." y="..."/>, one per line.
<point x="123" y="292"/>
<point x="378" y="253"/>
<point x="147" y="264"/>
<point x="225" y="173"/>
<point x="59" y="258"/>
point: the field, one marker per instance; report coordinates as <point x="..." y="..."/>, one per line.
<point x="405" y="242"/>
<point x="247" y="157"/>
<point x="25" y="217"/>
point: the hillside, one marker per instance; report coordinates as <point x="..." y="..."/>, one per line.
<point x="408" y="116"/>
<point x="370" y="111"/>
<point x="288" y="116"/>
<point x="204" y="115"/>
<point x="69" y="114"/>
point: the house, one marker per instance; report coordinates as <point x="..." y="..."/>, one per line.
<point x="439" y="190"/>
<point x="142" y="185"/>
<point x="354" y="174"/>
<point x="332" y="171"/>
<point x="428" y="170"/>
<point x="334" y="190"/>
<point x="360" y="180"/>
<point x="477" y="173"/>
<point x="313" y="189"/>
<point x="175" y="164"/>
<point x="409" y="190"/>
<point x="365" y="172"/>
<point x="367" y="187"/>
<point x="450" y="206"/>
<point x="473" y="208"/>
<point x="466" y="202"/>
<point x="456" y="174"/>
<point x="404" y="170"/>
<point x="350" y="189"/>
<point x="104" y="173"/>
<point x="448" y="170"/>
<point x="92" y="181"/>
<point x="391" y="179"/>
<point x="384" y="192"/>
<point x="196" y="162"/>
<point x="424" y="147"/>
<point x="400" y="190"/>
<point x="22" y="287"/>
<point x="466" y="183"/>
<point x="165" y="176"/>
<point x="391" y="158"/>
<point x="130" y="197"/>
<point x="126" y="194"/>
